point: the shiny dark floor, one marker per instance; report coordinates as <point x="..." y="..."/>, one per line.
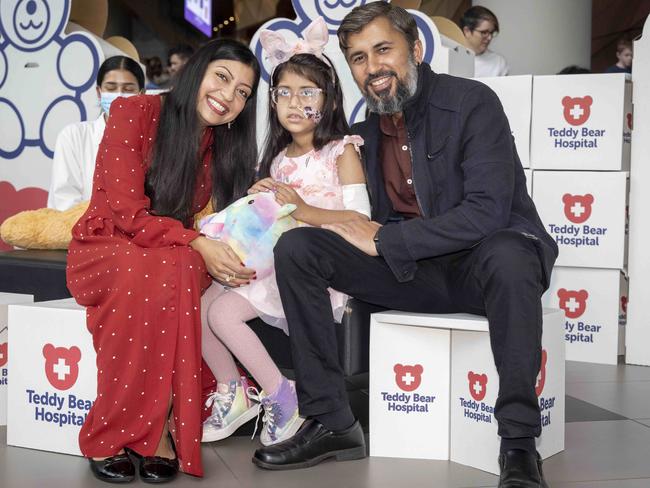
<point x="607" y="446"/>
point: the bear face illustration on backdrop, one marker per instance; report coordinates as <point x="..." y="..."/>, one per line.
<point x="61" y="365"/>
<point x="47" y="76"/>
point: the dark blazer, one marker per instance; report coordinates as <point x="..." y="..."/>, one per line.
<point x="467" y="175"/>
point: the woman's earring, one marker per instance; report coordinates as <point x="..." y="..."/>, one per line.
<point x="229" y="125"/>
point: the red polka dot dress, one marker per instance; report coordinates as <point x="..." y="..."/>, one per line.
<point x="142" y="285"/>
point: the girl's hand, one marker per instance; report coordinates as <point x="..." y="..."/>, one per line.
<point x="266" y="184"/>
<point x="287" y="194"/>
<point x="222" y="262"/>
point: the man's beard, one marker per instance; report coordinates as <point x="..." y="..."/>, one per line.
<point x="384" y="102"/>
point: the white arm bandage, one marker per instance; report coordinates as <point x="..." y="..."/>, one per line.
<point x="355" y="197"/>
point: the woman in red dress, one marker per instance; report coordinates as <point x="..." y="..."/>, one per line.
<point x="140" y="269"/>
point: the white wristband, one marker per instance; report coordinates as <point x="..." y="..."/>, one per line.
<point x="355" y="197"/>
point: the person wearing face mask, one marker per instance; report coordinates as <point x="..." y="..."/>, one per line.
<point x="76" y="146"/>
<point x="480" y="26"/>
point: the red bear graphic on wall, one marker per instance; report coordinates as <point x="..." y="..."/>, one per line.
<point x="61" y="365"/>
<point x="573" y="302"/>
<point x="577" y="208"/>
<point x="576" y="109"/>
<point x="477" y="385"/>
<point x="408" y="378"/>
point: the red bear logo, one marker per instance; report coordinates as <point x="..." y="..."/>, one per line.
<point x="541" y="377"/>
<point x="477" y="385"/>
<point x="573" y="302"/>
<point x="577" y="208"/>
<point x="576" y="109"/>
<point x="61" y="365"/>
<point x="408" y="378"/>
<point x="624" y="301"/>
<point x="4" y="355"/>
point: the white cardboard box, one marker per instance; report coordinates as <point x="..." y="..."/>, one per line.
<point x="453" y="58"/>
<point x="5" y="300"/>
<point x="515" y="94"/>
<point x="418" y="365"/>
<point x="585" y="212"/>
<point x="581" y="122"/>
<point x="592" y="303"/>
<point x="53" y="377"/>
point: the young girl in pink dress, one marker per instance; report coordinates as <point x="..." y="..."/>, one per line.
<point x="310" y="161"/>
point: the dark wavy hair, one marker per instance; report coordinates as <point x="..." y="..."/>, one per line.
<point x="332" y="126"/>
<point x="172" y="176"/>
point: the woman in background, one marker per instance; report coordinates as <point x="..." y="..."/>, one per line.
<point x="76" y="146"/>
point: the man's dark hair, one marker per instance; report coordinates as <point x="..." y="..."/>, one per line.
<point x="183" y="51"/>
<point x="359" y="17"/>
<point x="475" y="15"/>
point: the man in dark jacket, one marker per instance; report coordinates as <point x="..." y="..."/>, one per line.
<point x="453" y="230"/>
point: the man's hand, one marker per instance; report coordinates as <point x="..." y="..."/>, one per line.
<point x="359" y="233"/>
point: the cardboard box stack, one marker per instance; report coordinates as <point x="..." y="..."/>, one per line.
<point x="580" y="155"/>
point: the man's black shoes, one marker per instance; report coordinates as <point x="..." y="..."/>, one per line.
<point x="312" y="444"/>
<point x="521" y="469"/>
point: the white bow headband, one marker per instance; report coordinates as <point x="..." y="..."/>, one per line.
<point x="278" y="50"/>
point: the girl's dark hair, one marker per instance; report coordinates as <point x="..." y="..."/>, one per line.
<point x="333" y="124"/>
<point x="176" y="160"/>
<point x="121" y="62"/>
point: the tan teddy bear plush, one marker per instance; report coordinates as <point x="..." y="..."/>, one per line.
<point x="47" y="228"/>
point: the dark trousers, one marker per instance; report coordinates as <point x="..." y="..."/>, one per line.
<point x="500" y="278"/>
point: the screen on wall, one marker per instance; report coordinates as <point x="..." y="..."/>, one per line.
<point x="199" y="14"/>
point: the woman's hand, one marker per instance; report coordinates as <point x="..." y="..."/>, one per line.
<point x="266" y="184"/>
<point x="222" y="262"/>
<point x="287" y="194"/>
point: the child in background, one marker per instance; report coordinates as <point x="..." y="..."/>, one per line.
<point x="311" y="161"/>
<point x="624" y="57"/>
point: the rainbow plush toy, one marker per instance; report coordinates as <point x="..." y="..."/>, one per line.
<point x="251" y="226"/>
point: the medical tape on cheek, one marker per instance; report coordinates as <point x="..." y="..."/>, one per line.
<point x="313" y="115"/>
